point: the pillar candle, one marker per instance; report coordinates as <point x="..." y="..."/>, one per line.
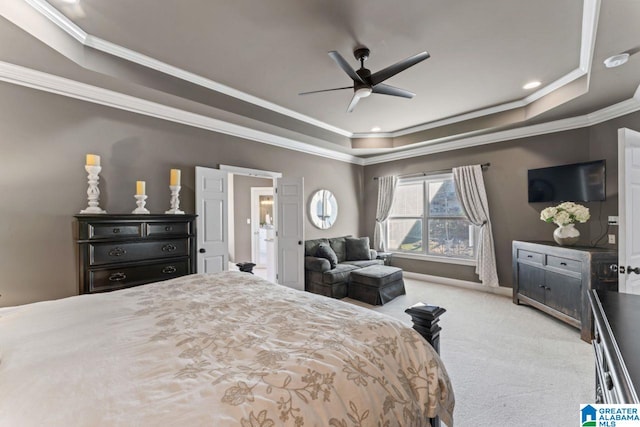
<point x="175" y="177"/>
<point x="140" y="188"/>
<point x="93" y="160"/>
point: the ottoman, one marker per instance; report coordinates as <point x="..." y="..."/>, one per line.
<point x="376" y="284"/>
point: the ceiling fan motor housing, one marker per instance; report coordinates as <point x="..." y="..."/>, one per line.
<point x="365" y="75"/>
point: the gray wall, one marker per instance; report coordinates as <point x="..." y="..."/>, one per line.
<point x="513" y="218"/>
<point x="43" y="182"/>
<point x="242" y="210"/>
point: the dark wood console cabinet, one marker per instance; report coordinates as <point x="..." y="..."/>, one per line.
<point x="121" y="251"/>
<point x="616" y="346"/>
<point x="557" y="279"/>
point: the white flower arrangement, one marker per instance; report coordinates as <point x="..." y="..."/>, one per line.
<point x="565" y="213"/>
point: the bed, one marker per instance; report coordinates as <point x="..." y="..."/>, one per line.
<point x="229" y="349"/>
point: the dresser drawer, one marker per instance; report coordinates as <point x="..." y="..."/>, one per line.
<point x="109" y="279"/>
<point x="109" y="253"/>
<point x="168" y="229"/>
<point x="530" y="256"/>
<point x="564" y="263"/>
<point x="114" y="230"/>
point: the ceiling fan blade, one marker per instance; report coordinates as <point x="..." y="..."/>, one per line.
<point x="394" y="69"/>
<point x="342" y="63"/>
<point x="390" y="90"/>
<point x="325" y="90"/>
<point x="353" y="103"/>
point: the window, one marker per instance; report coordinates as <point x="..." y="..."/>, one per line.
<point x="428" y="210"/>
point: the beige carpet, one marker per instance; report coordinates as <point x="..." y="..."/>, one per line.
<point x="510" y="365"/>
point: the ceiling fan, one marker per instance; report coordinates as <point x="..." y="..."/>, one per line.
<point x="365" y="83"/>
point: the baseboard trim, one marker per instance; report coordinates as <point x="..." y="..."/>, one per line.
<point x="502" y="291"/>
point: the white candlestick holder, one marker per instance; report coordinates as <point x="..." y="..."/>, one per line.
<point x="175" y="200"/>
<point x="93" y="192"/>
<point x="140" y="201"/>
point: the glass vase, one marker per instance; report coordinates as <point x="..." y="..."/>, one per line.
<point x="566" y="235"/>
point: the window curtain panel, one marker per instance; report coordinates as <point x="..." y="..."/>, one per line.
<point x="386" y="191"/>
<point x="473" y="197"/>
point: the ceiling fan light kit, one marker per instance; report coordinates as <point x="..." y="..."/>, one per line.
<point x="363" y="92"/>
<point x="365" y="83"/>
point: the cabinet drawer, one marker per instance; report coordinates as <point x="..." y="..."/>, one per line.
<point x="109" y="253"/>
<point x="110" y="230"/>
<point x="109" y="279"/>
<point x="564" y="263"/>
<point x="167" y="228"/>
<point x="530" y="256"/>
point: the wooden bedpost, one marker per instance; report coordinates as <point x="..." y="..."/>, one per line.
<point x="425" y="319"/>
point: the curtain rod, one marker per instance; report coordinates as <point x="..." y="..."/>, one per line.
<point x="484" y="166"/>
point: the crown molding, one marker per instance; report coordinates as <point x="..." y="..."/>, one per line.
<point x="110" y="48"/>
<point x="590" y="16"/>
<point x="59" y="19"/>
<point x="39" y="80"/>
<point x="438" y="146"/>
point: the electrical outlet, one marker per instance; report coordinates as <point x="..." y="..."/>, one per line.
<point x="248" y="220"/>
<point x="612" y="239"/>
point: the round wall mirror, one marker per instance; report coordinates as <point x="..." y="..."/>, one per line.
<point x="323" y="209"/>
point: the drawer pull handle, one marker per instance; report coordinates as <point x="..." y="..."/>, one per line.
<point x="169" y="269"/>
<point x="529" y="256"/>
<point x="563" y="263"/>
<point x="169" y="248"/>
<point x="116" y="230"/>
<point x="608" y="382"/>
<point x="168" y="228"/>
<point x="541" y="286"/>
<point x="117" y="277"/>
<point x="117" y="252"/>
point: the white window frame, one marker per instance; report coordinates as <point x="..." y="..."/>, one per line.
<point x="447" y="259"/>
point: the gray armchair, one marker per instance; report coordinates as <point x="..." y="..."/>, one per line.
<point x="350" y="254"/>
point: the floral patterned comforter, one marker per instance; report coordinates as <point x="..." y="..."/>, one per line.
<point x="228" y="349"/>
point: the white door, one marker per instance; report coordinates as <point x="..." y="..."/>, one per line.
<point x="290" y="231"/>
<point x="212" y="222"/>
<point x="629" y="211"/>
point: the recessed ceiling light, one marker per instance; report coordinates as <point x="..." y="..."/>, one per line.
<point x="376" y="129"/>
<point x="616" y="60"/>
<point x="531" y="85"/>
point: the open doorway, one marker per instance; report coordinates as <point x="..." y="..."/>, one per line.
<point x="263" y="232"/>
<point x="251" y="219"/>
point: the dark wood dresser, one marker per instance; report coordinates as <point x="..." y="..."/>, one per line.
<point x="616" y="346"/>
<point x="557" y="279"/>
<point x="120" y="251"/>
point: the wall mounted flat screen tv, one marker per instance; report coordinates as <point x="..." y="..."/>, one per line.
<point x="578" y="182"/>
